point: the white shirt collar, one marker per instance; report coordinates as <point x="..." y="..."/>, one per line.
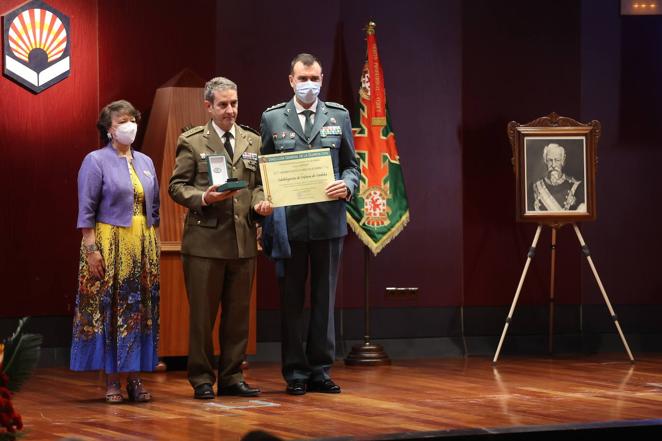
<point x="299" y="108"/>
<point x="221" y="132"/>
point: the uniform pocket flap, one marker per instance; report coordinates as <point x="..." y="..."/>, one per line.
<point x="250" y="164"/>
<point x="285" y="145"/>
<point x="200" y="221"/>
<point x="331" y="143"/>
<point x="203" y="166"/>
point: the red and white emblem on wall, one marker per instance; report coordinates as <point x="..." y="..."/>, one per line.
<point x="36" y="46"/>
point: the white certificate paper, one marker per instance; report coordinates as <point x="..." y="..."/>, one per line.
<point x="296" y="178"/>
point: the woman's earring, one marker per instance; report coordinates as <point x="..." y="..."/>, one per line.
<point x="108" y="135"/>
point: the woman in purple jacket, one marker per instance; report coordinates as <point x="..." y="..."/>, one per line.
<point x="116" y="322"/>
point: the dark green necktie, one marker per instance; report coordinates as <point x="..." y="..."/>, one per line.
<point x="227" y="144"/>
<point x="308" y="126"/>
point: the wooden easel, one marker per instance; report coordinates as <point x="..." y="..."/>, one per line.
<point x="531" y="253"/>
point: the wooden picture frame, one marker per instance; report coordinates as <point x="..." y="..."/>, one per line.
<point x="554" y="159"/>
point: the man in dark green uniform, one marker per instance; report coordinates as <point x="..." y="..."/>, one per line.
<point x="219" y="240"/>
<point x="315" y="232"/>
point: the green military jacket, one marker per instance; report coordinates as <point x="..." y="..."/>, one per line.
<point x="225" y="229"/>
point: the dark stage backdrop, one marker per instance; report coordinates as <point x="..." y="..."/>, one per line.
<point x="456" y="72"/>
<point x="518" y="63"/>
<point x="621" y="86"/>
<point x="421" y="55"/>
<point x="120" y="49"/>
<point x="143" y="44"/>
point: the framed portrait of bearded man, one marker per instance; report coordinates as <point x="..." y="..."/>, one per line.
<point x="555" y="160"/>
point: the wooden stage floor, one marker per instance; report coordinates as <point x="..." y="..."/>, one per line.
<point x="407" y="397"/>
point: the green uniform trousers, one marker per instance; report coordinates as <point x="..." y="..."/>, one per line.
<point x="212" y="282"/>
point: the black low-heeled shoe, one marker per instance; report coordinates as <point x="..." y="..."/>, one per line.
<point x="325" y="386"/>
<point x="203" y="391"/>
<point x="240" y="389"/>
<point x="296" y="387"/>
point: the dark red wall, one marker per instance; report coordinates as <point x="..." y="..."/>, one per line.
<point x="420" y="48"/>
<point x="142" y="44"/>
<point x="520" y="61"/>
<point x="43" y="138"/>
<point x="120" y="49"/>
<point x="622" y="87"/>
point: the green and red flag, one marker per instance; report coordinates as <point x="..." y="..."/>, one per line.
<point x="379" y="211"/>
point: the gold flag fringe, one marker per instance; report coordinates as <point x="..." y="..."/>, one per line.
<point x="376" y="247"/>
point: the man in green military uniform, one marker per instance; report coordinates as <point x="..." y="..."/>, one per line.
<point x="315" y="232"/>
<point x="219" y="240"/>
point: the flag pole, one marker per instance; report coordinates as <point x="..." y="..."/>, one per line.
<point x="367" y="354"/>
<point x="374" y="133"/>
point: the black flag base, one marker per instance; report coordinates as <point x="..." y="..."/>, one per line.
<point x="367" y="354"/>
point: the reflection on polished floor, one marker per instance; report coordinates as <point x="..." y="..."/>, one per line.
<point x="409" y="396"/>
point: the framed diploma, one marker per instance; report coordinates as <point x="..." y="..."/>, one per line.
<point x="218" y="170"/>
<point x="297" y="177"/>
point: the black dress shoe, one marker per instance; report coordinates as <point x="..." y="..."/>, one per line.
<point x="241" y="389"/>
<point x="203" y="391"/>
<point x="325" y="386"/>
<point x="296" y="387"/>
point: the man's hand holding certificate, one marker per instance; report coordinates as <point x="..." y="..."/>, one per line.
<point x="302" y="177"/>
<point x="337" y="190"/>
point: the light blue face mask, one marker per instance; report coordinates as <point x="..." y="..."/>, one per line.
<point x="307" y="91"/>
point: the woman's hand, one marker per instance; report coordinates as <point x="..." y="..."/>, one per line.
<point x="94" y="258"/>
<point x="95" y="263"/>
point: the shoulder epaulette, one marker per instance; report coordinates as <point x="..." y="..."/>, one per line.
<point x="276" y="106"/>
<point x="249" y="129"/>
<point x="193" y="131"/>
<point x="336" y="105"/>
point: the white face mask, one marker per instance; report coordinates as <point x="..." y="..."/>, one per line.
<point x="308" y="91"/>
<point x="126" y="133"/>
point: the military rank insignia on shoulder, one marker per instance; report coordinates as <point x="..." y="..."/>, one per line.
<point x="249" y="129"/>
<point x="276" y="106"/>
<point x="193" y="131"/>
<point x="335" y="105"/>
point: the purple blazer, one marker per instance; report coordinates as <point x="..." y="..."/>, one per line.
<point x="105" y="193"/>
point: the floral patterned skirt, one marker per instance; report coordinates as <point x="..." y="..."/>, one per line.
<point x="116" y="321"/>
